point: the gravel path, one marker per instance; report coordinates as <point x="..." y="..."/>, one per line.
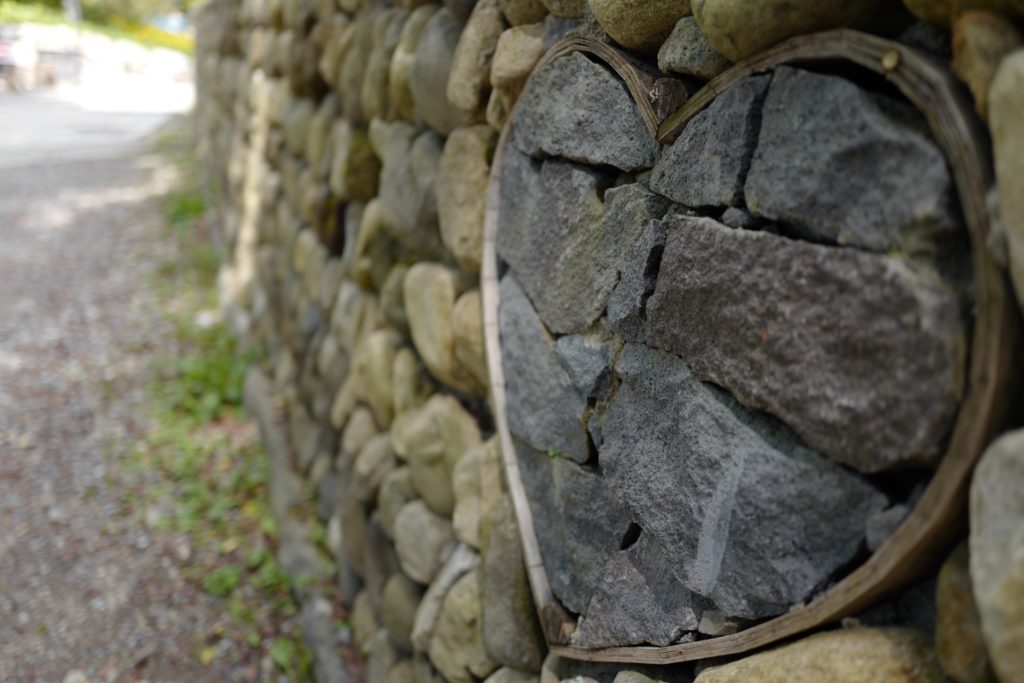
<point x="86" y="593"/>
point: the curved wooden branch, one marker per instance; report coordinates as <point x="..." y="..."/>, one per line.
<point x="917" y="546"/>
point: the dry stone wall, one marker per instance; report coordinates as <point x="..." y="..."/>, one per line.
<point x="733" y="362"/>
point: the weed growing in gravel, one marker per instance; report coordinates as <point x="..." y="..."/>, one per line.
<point x="200" y="474"/>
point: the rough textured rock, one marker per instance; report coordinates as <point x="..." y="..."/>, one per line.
<point x="399" y="599"/>
<point x="550" y="221"/>
<point x="709" y="161"/>
<point x="981" y="40"/>
<point x="354" y="167"/>
<point x="408" y="173"/>
<point x="857" y="655"/>
<point x="544" y="408"/>
<point x="579" y="110"/>
<point x="997" y="552"/>
<point x="872" y="385"/>
<point x="430" y="70"/>
<point x="1006" y="110"/>
<point x="463" y="559"/>
<point x="423" y="541"/>
<point x="738" y="28"/>
<point x="638" y="600"/>
<point x="518" y="50"/>
<point x="469" y="81"/>
<point x="511" y="633"/>
<point x="587" y="359"/>
<point x="742" y="469"/>
<point x="468" y="331"/>
<point x="518" y="12"/>
<point x="462" y="177"/>
<point x="959" y="643"/>
<point x="880" y="526"/>
<point x="687" y="52"/>
<point x="627" y="304"/>
<point x="430" y="293"/>
<point x="838" y="163"/>
<point x="457" y="646"/>
<point x="639" y="24"/>
<point x="578" y="521"/>
<point x="432" y="439"/>
<point x="402" y="60"/>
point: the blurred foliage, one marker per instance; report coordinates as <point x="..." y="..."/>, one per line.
<point x="119" y="20"/>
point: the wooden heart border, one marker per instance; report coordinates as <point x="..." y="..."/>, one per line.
<point x="917" y="546"/>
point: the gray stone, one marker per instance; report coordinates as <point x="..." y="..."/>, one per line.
<point x="400" y="598"/>
<point x="380" y="561"/>
<point x="708" y="162"/>
<point x="741" y="218"/>
<point x="881" y="525"/>
<point x="549" y="226"/>
<point x="381" y="656"/>
<point x="959" y="643"/>
<point x="578" y="521"/>
<point x="511" y="632"/>
<point x="457" y="646"/>
<point x="873" y="383"/>
<point x="687" y="52"/>
<point x="677" y="449"/>
<point x="462" y="560"/>
<point x="587" y="358"/>
<point x="578" y="109"/>
<point x="627" y="304"/>
<point x="544" y="408"/>
<point x="997" y="552"/>
<point x="638" y="600"/>
<point x="433" y="62"/>
<point x="423" y="541"/>
<point x="837" y="163"/>
<point x="563" y="244"/>
<point x="585" y="26"/>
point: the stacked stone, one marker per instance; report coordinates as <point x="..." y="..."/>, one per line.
<point x="348" y="144"/>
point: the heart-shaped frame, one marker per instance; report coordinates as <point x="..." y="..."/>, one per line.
<point x="939" y="517"/>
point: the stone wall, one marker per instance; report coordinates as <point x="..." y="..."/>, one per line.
<point x="783" y="295"/>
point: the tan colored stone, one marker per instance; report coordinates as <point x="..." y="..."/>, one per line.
<point x="400" y="70"/>
<point x="981" y="40"/>
<point x="457" y="646"/>
<point x="468" y="330"/>
<point x="374" y="251"/>
<point x="856" y="655"/>
<point x="364" y="621"/>
<point x="395" y="492"/>
<point x="518" y="51"/>
<point x="943" y="12"/>
<point x="411" y="381"/>
<point x="738" y="28"/>
<point x="519" y="12"/>
<point x="318" y="151"/>
<point x="462" y="179"/>
<point x="1006" y="111"/>
<point x="959" y="643"/>
<point x="997" y="553"/>
<point x="355" y="169"/>
<point x="639" y="24"/>
<point x="430" y="293"/>
<point x="399" y="600"/>
<point x="375" y="93"/>
<point x="471" y="64"/>
<point x="374" y="462"/>
<point x="379" y="360"/>
<point x="432" y="439"/>
<point x="565" y="9"/>
<point x="431" y="69"/>
<point x="423" y="541"/>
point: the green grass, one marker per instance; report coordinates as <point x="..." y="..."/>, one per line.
<point x="200" y="464"/>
